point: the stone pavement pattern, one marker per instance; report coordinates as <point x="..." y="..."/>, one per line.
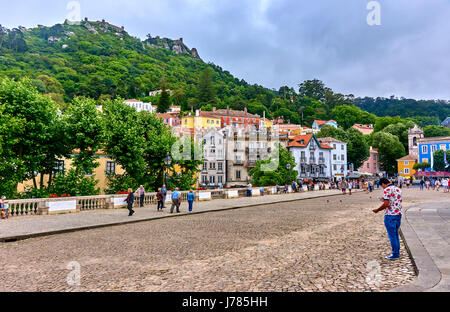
<point x="31" y="225"/>
<point x="322" y="244"/>
<point x="428" y="238"/>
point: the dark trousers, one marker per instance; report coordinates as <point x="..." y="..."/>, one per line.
<point x="130" y="209"/>
<point x="191" y="203"/>
<point x="392" y="224"/>
<point x="160" y="204"/>
<point x="141" y="200"/>
<point x="175" y="203"/>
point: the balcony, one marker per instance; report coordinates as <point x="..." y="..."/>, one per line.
<point x="321" y="160"/>
<point x="238" y="163"/>
<point x="312" y="160"/>
<point x="303" y="160"/>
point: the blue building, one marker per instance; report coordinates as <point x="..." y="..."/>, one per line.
<point x="427" y="147"/>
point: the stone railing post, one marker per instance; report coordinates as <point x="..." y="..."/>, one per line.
<point x="109" y="202"/>
<point x="42" y="208"/>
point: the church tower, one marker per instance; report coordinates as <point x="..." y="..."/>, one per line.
<point x="414" y="136"/>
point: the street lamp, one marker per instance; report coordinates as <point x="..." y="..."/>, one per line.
<point x="167" y="162"/>
<point x="288" y="166"/>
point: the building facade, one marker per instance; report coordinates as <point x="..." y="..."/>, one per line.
<point x="312" y="158"/>
<point x="317" y="124"/>
<point x="338" y="158"/>
<point x="428" y="146"/>
<point x="140" y="106"/>
<point x="372" y="164"/>
<point x="405" y="166"/>
<point x="213" y="171"/>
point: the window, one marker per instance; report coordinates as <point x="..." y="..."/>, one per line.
<point x="238" y="174"/>
<point x="59" y="167"/>
<point x="212" y="151"/>
<point x="424" y="149"/>
<point x="212" y="179"/>
<point x="342" y="147"/>
<point x="238" y="145"/>
<point x="406" y="170"/>
<point x="425" y="160"/>
<point x="342" y="157"/>
<point x="212" y="165"/>
<point x="212" y="140"/>
<point x="205" y="166"/>
<point x="185" y="121"/>
<point x="219" y="179"/>
<point x="368" y="165"/>
<point x="406" y="163"/>
<point x="110" y="168"/>
<point x="204" y="179"/>
<point x="442" y="147"/>
<point x="334" y="156"/>
<point x="334" y="146"/>
<point x="334" y="167"/>
<point x="375" y="157"/>
<point x="220" y="153"/>
<point x="220" y="166"/>
<point x="433" y="148"/>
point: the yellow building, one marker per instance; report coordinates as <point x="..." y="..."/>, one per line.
<point x="405" y="166"/>
<point x="201" y="120"/>
<point x="105" y="168"/>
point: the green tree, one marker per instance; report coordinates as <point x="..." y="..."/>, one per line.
<point x="281" y="175"/>
<point x="314" y="89"/>
<point x="85" y="132"/>
<point x="206" y="90"/>
<point x="401" y="131"/>
<point x="435" y="131"/>
<point x="390" y="149"/>
<point x="346" y="116"/>
<point x="164" y="99"/>
<point x="438" y="161"/>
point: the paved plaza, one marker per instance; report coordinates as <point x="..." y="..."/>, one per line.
<point x="333" y="243"/>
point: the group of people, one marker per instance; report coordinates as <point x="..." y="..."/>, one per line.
<point x="4" y="208"/>
<point x="161" y="196"/>
<point x="435" y="184"/>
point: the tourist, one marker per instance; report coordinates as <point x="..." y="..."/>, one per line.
<point x="344" y="186"/>
<point x="141" y="193"/>
<point x="428" y="183"/>
<point x="249" y="189"/>
<point x="350" y="186"/>
<point x="286" y="189"/>
<point x="159" y="199"/>
<point x="4" y="207"/>
<point x="261" y="190"/>
<point x="294" y="186"/>
<point x="437" y="184"/>
<point x="433" y="184"/>
<point x="190" y="199"/>
<point x="421" y="183"/>
<point x="407" y="183"/>
<point x="392" y="205"/>
<point x="164" y="192"/>
<point x="130" y="201"/>
<point x="278" y="189"/>
<point x="370" y="186"/>
<point x="445" y="185"/>
<point x="176" y="200"/>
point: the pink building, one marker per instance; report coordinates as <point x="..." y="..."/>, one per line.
<point x="170" y="119"/>
<point x="371" y="165"/>
<point x="364" y="129"/>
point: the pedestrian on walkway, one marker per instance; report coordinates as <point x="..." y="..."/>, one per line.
<point x="437" y="184"/>
<point x="445" y="185"/>
<point x="4" y="208"/>
<point x="261" y="190"/>
<point x="392" y="205"/>
<point x="159" y="199"/>
<point x="164" y="192"/>
<point x="421" y="184"/>
<point x="190" y="199"/>
<point x="141" y="192"/>
<point x="249" y="190"/>
<point x="176" y="200"/>
<point x="350" y="186"/>
<point x="278" y="189"/>
<point x="130" y="201"/>
<point x="344" y="186"/>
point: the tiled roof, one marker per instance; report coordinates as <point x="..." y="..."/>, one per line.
<point x="408" y="157"/>
<point x="234" y="113"/>
<point x="329" y="139"/>
<point x="132" y="100"/>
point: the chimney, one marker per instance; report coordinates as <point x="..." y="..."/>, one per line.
<point x="228" y="110"/>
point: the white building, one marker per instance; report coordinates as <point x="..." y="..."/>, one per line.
<point x="312" y="158"/>
<point x="338" y="157"/>
<point x="140" y="106"/>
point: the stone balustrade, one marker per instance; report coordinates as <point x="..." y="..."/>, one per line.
<point x="44" y="206"/>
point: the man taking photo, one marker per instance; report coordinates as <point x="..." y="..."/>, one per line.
<point x="392" y="205"/>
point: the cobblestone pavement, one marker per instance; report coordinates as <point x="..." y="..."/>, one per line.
<point x="323" y="244"/>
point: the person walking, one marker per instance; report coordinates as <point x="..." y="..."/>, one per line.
<point x="350" y="186"/>
<point x="176" y="200"/>
<point x="344" y="187"/>
<point x="190" y="199"/>
<point x="392" y="205"/>
<point x="141" y="192"/>
<point x="261" y="190"/>
<point x="164" y="192"/>
<point x="437" y="184"/>
<point x="249" y="190"/>
<point x="421" y="183"/>
<point x="130" y="201"/>
<point x="159" y="199"/>
<point x="4" y="208"/>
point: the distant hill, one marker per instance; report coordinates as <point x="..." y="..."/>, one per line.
<point x="96" y="58"/>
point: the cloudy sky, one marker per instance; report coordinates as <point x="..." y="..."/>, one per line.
<point x="284" y="42"/>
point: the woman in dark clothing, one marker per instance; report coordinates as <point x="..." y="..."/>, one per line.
<point x="159" y="198"/>
<point x="130" y="201"/>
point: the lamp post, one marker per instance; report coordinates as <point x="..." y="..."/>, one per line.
<point x="167" y="162"/>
